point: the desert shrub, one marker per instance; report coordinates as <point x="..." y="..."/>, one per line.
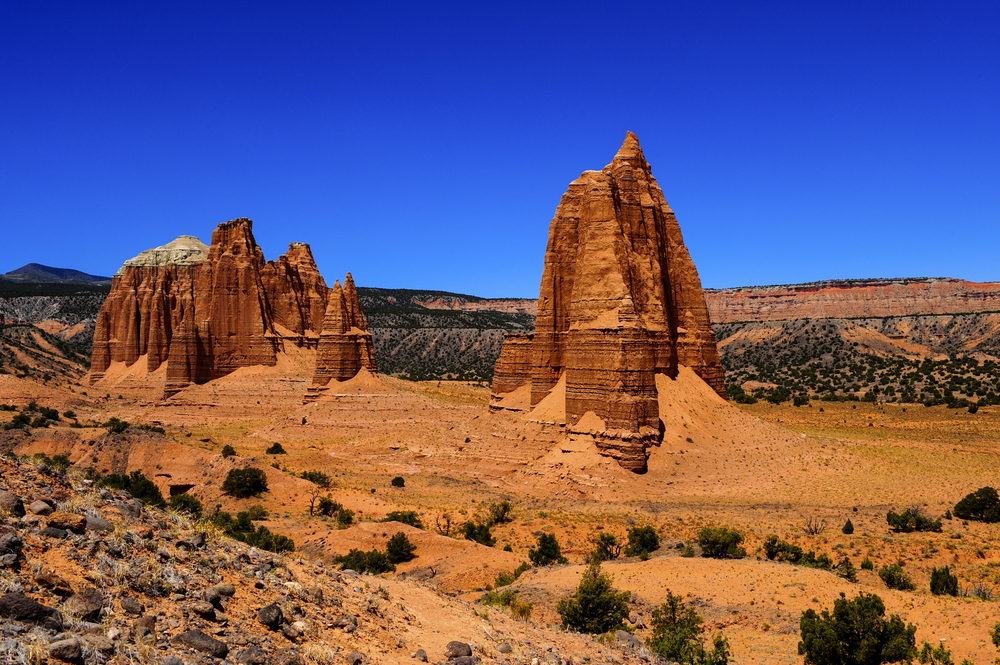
<point x="983" y="505"/>
<point x="721" y="543"/>
<point x="243" y="529"/>
<point x="911" y="520"/>
<point x="895" y="577"/>
<point x="398" y="482"/>
<point x="848" y="528"/>
<point x="939" y="655"/>
<point x="404" y="517"/>
<point x="399" y="549"/>
<point x="19" y="421"/>
<point x="943" y="583"/>
<point x="374" y="562"/>
<point x="866" y="564"/>
<point x="856" y="633"/>
<point x="257" y="512"/>
<point x="115" y="426"/>
<point x="782" y="550"/>
<point x="995" y="635"/>
<point x="504" y="578"/>
<point x="47" y="413"/>
<point x="228" y="451"/>
<point x="479" y="533"/>
<point x="275" y="449"/>
<point x="327" y="506"/>
<point x="8" y="407"/>
<point x="676" y="635"/>
<point x="39" y="422"/>
<point x="607" y="548"/>
<point x="973" y="408"/>
<point x="244" y="483"/>
<point x="846" y="570"/>
<point x="136" y="484"/>
<point x="345" y="518"/>
<point x="69" y="414"/>
<point x="500" y="513"/>
<point x="508" y="599"/>
<point x="642" y="540"/>
<point x="596" y="607"/>
<point x="152" y="428"/>
<point x="187" y="504"/>
<point x="317" y="478"/>
<point x="547" y="552"/>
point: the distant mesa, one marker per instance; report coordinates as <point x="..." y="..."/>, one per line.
<point x="620" y="302"/>
<point x="36" y="272"/>
<point x="207" y="311"/>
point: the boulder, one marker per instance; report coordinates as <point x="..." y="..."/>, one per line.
<point x="271" y="616"/>
<point x="420" y="655"/>
<point x="19" y="607"/>
<point x="225" y="589"/>
<point x="68" y="521"/>
<point x="203" y="609"/>
<point x="41" y="508"/>
<point x="132" y="606"/>
<point x="455" y="649"/>
<point x="86" y="604"/>
<point x="68" y="651"/>
<point x="199" y="641"/>
<point x="99" y="525"/>
<point x="288" y="656"/>
<point x="252" y="655"/>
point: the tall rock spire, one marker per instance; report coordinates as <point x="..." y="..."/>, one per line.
<point x="620" y="301"/>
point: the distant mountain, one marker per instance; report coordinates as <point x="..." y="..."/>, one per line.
<point x="36" y="272"/>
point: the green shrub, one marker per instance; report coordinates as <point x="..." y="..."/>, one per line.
<point x="275" y="449"/>
<point x="547" y="552"/>
<point x="607" y="548"/>
<point x="327" y="506"/>
<point x="845" y="569"/>
<point x="317" y="478"/>
<point x="983" y="505"/>
<point x="995" y="635"/>
<point x="676" y="635"/>
<point x="856" y="633"/>
<point x="39" y="422"/>
<point x="398" y="482"/>
<point x="8" y="407"/>
<point x="479" y="533"/>
<point x="721" y="543"/>
<point x="244" y="483"/>
<point x="345" y="518"/>
<point x="911" y="520"/>
<point x="374" y="562"/>
<point x="895" y="577"/>
<point x="228" y="451"/>
<point x="866" y="564"/>
<point x="943" y="583"/>
<point x="187" y="504"/>
<point x="242" y="528"/>
<point x="940" y="655"/>
<point x="848" y="528"/>
<point x="508" y="599"/>
<point x="596" y="607"/>
<point x="47" y="413"/>
<point x="136" y="484"/>
<point x="500" y="513"/>
<point x="19" y="421"/>
<point x="505" y="578"/>
<point x="115" y="426"/>
<point x="782" y="550"/>
<point x="642" y="540"/>
<point x="69" y="414"/>
<point x="404" y="517"/>
<point x="399" y="549"/>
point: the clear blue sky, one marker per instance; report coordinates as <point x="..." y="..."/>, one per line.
<point x="424" y="145"/>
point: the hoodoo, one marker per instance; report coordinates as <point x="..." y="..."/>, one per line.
<point x="345" y="345"/>
<point x="207" y="311"/>
<point x="620" y="301"/>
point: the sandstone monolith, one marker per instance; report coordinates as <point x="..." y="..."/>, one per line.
<point x="620" y="301"/>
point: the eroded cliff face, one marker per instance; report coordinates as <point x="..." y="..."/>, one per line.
<point x="848" y="299"/>
<point x="207" y="311"/>
<point x="345" y="344"/>
<point x="620" y="301"/>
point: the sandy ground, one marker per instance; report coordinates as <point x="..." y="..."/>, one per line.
<point x="762" y="469"/>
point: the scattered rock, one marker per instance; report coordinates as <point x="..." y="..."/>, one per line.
<point x="456" y="649"/>
<point x="627" y="639"/>
<point x="289" y="632"/>
<point x="252" y="655"/>
<point x="465" y="660"/>
<point x="99" y="524"/>
<point x="68" y="521"/>
<point x="52" y="532"/>
<point x="504" y="648"/>
<point x="41" y="508"/>
<point x="203" y="609"/>
<point x="288" y="656"/>
<point x="68" y="651"/>
<point x="52" y="582"/>
<point x="131" y="606"/>
<point x="11" y="503"/>
<point x="420" y="655"/>
<point x="145" y="626"/>
<point x="355" y="658"/>
<point x="271" y="616"/>
<point x="199" y="641"/>
<point x="225" y="589"/>
<point x="19" y="607"/>
<point x="86" y="604"/>
<point x="99" y="643"/>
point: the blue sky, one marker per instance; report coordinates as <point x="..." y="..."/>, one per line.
<point x="426" y="145"/>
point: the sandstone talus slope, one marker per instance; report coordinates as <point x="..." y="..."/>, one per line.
<point x="620" y="301"/>
<point x="208" y="313"/>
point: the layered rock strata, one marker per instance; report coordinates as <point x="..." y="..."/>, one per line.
<point x="206" y="311"/>
<point x="620" y="301"/>
<point x="345" y="344"/>
<point x="515" y="365"/>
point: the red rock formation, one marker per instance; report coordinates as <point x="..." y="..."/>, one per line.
<point x="843" y="299"/>
<point x="514" y="366"/>
<point x="208" y="311"/>
<point x="620" y="301"/>
<point x="345" y="345"/>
